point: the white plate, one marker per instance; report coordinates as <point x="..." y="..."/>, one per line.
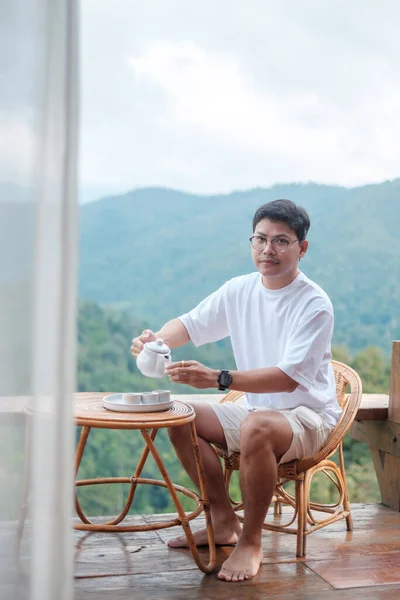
<point x="114" y="402"/>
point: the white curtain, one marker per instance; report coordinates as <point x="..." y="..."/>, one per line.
<point x="38" y="248"/>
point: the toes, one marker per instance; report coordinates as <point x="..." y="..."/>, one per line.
<point x="225" y="574"/>
<point x="232" y="575"/>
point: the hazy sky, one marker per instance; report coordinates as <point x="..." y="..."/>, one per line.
<point x="224" y="94"/>
<point x="216" y="95"/>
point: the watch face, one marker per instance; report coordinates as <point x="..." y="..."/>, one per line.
<point x="225" y="378"/>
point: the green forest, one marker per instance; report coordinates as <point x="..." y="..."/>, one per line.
<point x="105" y="364"/>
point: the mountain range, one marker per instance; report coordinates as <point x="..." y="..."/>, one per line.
<point x="157" y="252"/>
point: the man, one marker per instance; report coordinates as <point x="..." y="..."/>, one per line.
<point x="280" y="324"/>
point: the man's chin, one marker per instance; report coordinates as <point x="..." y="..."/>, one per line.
<point x="269" y="270"/>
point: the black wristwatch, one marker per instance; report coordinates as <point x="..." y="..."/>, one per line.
<point x="224" y="380"/>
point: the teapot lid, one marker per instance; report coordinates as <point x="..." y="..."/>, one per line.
<point x="158" y="346"/>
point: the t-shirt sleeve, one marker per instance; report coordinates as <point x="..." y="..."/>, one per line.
<point x="308" y="344"/>
<point x="208" y="321"/>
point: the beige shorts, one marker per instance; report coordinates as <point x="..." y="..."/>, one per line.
<point x="310" y="430"/>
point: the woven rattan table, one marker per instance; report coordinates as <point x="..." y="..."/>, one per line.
<point x="89" y="412"/>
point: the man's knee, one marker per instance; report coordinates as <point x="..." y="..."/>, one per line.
<point x="256" y="433"/>
<point x="265" y="431"/>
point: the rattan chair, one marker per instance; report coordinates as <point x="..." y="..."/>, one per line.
<point x="303" y="522"/>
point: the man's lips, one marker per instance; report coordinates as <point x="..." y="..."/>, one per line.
<point x="270" y="262"/>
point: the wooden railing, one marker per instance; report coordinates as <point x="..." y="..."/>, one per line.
<point x="378" y="425"/>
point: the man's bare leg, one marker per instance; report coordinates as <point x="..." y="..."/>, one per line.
<point x="226" y="525"/>
<point x="264" y="438"/>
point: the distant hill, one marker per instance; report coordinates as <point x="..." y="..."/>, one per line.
<point x="158" y="252"/>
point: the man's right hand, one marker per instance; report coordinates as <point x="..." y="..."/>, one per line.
<point x="138" y="342"/>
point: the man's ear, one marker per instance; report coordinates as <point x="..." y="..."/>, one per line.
<point x="303" y="248"/>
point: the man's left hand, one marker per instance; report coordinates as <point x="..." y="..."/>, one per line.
<point x="191" y="372"/>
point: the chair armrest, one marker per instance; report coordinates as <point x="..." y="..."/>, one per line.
<point x="231" y="396"/>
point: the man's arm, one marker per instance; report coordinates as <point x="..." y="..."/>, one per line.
<point x="173" y="333"/>
<point x="257" y="381"/>
<point x="206" y="323"/>
<point x="269" y="380"/>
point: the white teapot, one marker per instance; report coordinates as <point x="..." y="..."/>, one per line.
<point x="153" y="359"/>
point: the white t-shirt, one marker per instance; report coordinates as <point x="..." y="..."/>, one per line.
<point x="290" y="328"/>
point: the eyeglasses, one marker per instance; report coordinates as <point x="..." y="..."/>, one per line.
<point x="279" y="244"/>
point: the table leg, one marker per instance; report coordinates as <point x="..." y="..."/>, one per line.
<point x="133" y="480"/>
<point x="78" y="457"/>
<point x="182" y="517"/>
<point x="203" y="489"/>
<point x="81" y="447"/>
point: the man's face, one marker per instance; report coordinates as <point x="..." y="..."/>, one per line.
<point x="269" y="261"/>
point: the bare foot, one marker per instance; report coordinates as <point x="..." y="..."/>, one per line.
<point x="223" y="537"/>
<point x="243" y="563"/>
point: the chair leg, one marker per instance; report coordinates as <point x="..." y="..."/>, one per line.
<point x="277" y="507"/>
<point x="301" y="507"/>
<point x="346" y="501"/>
<point x="227" y="478"/>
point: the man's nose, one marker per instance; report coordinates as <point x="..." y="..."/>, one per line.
<point x="269" y="248"/>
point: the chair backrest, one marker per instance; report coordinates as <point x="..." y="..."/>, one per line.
<point x="347" y="380"/>
<point x="339" y="371"/>
<point x="345" y="377"/>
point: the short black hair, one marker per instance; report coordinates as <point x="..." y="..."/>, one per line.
<point x="287" y="211"/>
